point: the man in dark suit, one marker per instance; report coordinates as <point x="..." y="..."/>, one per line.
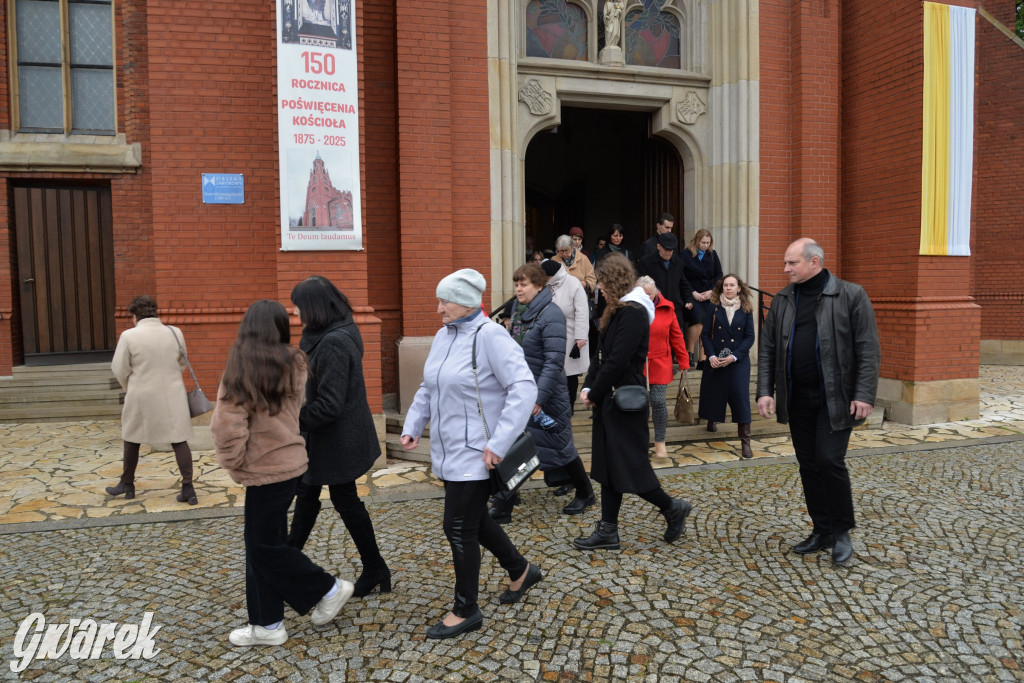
<point x="666" y="269"/>
<point x="664" y="224"/>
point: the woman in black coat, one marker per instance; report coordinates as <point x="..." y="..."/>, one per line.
<point x="341" y="440"/>
<point x="538" y="324"/>
<point x="620" y="461"/>
<point x="703" y="271"/>
<point x="728" y="336"/>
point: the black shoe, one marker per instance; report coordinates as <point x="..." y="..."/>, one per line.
<point x="563" y="489"/>
<point x="369" y="580"/>
<point x="127" y="489"/>
<point x="187" y="495"/>
<point x="842" y="551"/>
<point x="813" y="543"/>
<point x="579" y="505"/>
<point x="500" y="515"/>
<point x="605" y="536"/>
<point x="712" y="427"/>
<point x="533" y="577"/>
<point x="472" y="623"/>
<point x="675" y="519"/>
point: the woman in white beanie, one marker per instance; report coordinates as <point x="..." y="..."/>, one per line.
<point x="460" y="453"/>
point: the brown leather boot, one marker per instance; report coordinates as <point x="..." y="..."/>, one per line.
<point x="126" y="484"/>
<point x="744" y="432"/>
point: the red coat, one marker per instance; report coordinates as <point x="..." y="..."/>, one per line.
<point x="666" y="339"/>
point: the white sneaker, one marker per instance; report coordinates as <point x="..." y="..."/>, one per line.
<point x="251" y="634"/>
<point x="328" y="608"/>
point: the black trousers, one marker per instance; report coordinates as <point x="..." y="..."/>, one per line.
<point x="821" y="453"/>
<point x="572" y="383"/>
<point x="353" y="512"/>
<point x="275" y="572"/>
<point x="468" y="526"/>
<point x="611" y="502"/>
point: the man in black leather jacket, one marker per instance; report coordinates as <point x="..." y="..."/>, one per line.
<point x="818" y="370"/>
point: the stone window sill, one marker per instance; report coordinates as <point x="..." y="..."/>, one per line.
<point x="65" y="153"/>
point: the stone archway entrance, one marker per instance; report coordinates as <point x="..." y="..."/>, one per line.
<point x="599" y="167"/>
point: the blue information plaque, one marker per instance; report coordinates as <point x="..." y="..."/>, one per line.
<point x="223" y="188"/>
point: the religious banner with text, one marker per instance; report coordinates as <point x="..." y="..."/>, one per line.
<point x="318" y="125"/>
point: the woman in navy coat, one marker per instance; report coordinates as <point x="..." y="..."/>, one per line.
<point x="728" y="336"/>
<point x="703" y="271"/>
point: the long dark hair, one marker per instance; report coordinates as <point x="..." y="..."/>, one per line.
<point x="745" y="295"/>
<point x="260" y="370"/>
<point x="616" y="277"/>
<point x="320" y="303"/>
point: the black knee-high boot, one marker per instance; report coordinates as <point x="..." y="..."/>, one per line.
<point x="126" y="484"/>
<point x="307" y="508"/>
<point x="183" y="456"/>
<point x="375" y="569"/>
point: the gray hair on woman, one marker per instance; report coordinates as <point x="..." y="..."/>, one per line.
<point x="646" y="283"/>
<point x="563" y="242"/>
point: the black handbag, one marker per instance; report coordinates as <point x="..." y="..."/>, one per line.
<point x="521" y="460"/>
<point x="631" y="398"/>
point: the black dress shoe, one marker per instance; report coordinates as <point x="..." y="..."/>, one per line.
<point x="842" y="551"/>
<point x="563" y="489"/>
<point x="675" y="518"/>
<point x="712" y="427"/>
<point x="472" y="623"/>
<point x="579" y="505"/>
<point x="816" y="541"/>
<point x="605" y="536"/>
<point x="533" y="577"/>
<point x="499" y="515"/>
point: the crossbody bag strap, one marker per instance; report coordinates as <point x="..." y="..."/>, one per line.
<point x="187" y="363"/>
<point x="476" y="382"/>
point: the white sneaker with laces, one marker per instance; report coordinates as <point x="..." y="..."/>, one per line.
<point x="250" y="634"/>
<point x="328" y="608"/>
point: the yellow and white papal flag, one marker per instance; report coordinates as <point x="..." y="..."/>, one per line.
<point x="948" y="154"/>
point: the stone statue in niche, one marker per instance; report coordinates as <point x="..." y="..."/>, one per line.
<point x="612" y="21"/>
<point x="611" y="54"/>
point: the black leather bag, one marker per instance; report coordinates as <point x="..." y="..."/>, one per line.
<point x="631" y="398"/>
<point x="521" y="461"/>
<point x="517" y="466"/>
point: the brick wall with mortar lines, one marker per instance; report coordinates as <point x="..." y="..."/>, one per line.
<point x="927" y="323"/>
<point x="997" y="229"/>
<point x="443" y="128"/>
<point x="381" y="231"/>
<point x="799" y="82"/>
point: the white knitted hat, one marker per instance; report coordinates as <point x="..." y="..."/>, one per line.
<point x="464" y="287"/>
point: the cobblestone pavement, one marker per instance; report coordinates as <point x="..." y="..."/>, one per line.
<point x="933" y="594"/>
<point x="51" y="472"/>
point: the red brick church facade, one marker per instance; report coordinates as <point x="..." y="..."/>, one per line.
<point x="840" y="149"/>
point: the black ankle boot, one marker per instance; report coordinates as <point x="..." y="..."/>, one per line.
<point x="675" y="519"/>
<point x="606" y="536"/>
<point x="187" y="495"/>
<point x="370" y="579"/>
<point x="127" y="489"/>
<point x="712" y="427"/>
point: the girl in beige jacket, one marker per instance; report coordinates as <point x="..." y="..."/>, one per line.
<point x="255" y="429"/>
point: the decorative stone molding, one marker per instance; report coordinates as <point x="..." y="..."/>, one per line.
<point x="534" y="96"/>
<point x="690" y="108"/>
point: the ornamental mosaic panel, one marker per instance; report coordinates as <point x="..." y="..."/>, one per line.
<point x="556" y="29"/>
<point x="652" y="36"/>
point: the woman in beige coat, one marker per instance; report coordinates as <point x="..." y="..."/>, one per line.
<point x="148" y="362"/>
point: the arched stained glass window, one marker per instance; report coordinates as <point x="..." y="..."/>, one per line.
<point x="652" y="37"/>
<point x="556" y="29"/>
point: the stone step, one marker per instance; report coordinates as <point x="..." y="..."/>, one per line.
<point x="73" y="394"/>
<point x="62" y="412"/>
<point x="60" y="393"/>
